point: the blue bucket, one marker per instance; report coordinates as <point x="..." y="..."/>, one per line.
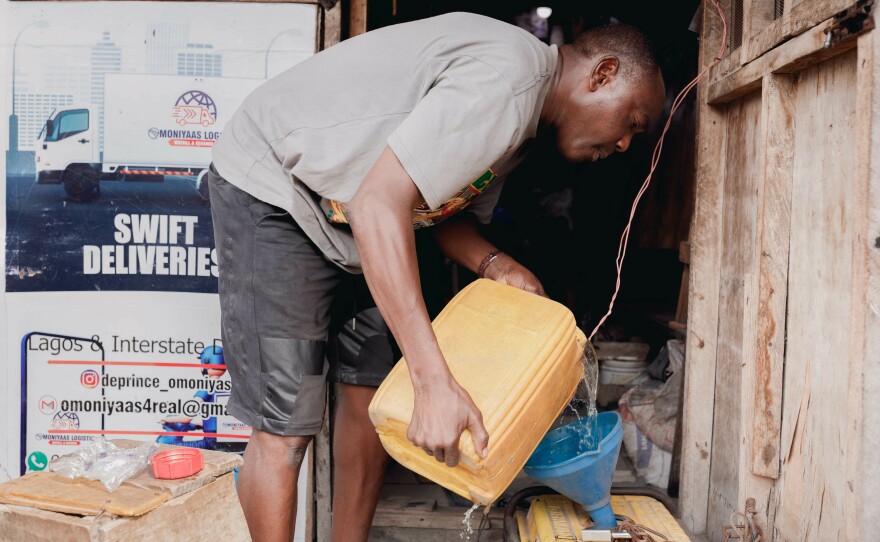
<point x="581" y="471"/>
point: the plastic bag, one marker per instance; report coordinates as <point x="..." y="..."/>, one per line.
<point x="654" y="405"/>
<point x="651" y="462"/>
<point x="102" y="460"/>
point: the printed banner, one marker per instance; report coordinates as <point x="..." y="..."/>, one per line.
<point x="78" y="388"/>
<point x="112" y="318"/>
<point x="124" y="365"/>
<point x="132" y="365"/>
<point x="116" y="107"/>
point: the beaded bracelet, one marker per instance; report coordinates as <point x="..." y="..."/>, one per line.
<point x="487" y="261"/>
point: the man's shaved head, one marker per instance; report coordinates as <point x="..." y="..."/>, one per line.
<point x="634" y="50"/>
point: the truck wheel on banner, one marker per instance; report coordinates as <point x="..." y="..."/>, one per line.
<point x="202" y="185"/>
<point x="81" y="184"/>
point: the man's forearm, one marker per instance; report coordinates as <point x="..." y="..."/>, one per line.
<point x="386" y="243"/>
<point x="380" y="218"/>
<point x="460" y="240"/>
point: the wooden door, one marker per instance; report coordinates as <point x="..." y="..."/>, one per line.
<point x="784" y="302"/>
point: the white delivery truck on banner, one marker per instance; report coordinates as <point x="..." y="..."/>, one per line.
<point x="153" y="126"/>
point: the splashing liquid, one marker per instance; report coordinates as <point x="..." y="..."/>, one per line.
<point x="583" y="405"/>
<point x="468" y="530"/>
<point x="590" y="380"/>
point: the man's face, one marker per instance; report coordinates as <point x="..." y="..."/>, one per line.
<point x="604" y="113"/>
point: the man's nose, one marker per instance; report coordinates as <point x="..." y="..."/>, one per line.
<point x="623" y="143"/>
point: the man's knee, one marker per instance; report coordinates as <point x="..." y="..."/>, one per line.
<point x="296" y="452"/>
<point x="267" y="445"/>
<point x="354" y="400"/>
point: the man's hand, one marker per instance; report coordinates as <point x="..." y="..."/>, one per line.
<point x="506" y="270"/>
<point x="442" y="410"/>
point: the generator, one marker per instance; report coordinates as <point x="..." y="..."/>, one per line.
<point x="556" y="518"/>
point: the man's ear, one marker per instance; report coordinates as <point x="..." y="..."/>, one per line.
<point x="603" y="72"/>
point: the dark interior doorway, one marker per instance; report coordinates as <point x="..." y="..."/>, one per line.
<point x="564" y="220"/>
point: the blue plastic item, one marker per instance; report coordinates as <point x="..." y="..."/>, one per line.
<point x="579" y="468"/>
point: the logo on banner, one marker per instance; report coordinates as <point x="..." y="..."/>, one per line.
<point x="195" y="107"/>
<point x="192" y="111"/>
<point x="37" y="461"/>
<point x="65" y="421"/>
<point x="48" y="404"/>
<point x="89" y="378"/>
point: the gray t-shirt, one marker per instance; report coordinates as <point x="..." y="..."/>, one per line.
<point x="456" y="97"/>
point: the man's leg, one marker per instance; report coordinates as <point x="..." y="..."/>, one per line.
<point x="359" y="464"/>
<point x="267" y="484"/>
<point x="276" y="289"/>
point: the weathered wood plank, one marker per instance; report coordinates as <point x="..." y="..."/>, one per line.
<point x="791" y="57"/>
<point x="770" y="36"/>
<point x="748" y="7"/>
<point x="705" y="255"/>
<point x="410" y="534"/>
<point x="449" y="518"/>
<point x="332" y="30"/>
<point x="49" y="491"/>
<point x="19" y="523"/>
<point x="757" y="14"/>
<point x="311" y="519"/>
<point x="774" y="227"/>
<point x="213" y="511"/>
<point x="357" y="17"/>
<point x="746" y="264"/>
<point x="731" y="62"/>
<point x="815" y="429"/>
<point x="318" y="487"/>
<point x="796" y="20"/>
<point x="737" y="271"/>
<point x="136" y="496"/>
<point x="323" y="494"/>
<point x="862" y="470"/>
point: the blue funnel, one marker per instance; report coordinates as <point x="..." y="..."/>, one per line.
<point x="581" y="470"/>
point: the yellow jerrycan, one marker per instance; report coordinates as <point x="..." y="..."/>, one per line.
<point x="519" y="357"/>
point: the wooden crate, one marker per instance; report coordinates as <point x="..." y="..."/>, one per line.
<point x="43" y="506"/>
<point x="783" y="329"/>
<point x="211" y="511"/>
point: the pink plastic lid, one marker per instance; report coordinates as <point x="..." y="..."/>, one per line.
<point x="177" y="463"/>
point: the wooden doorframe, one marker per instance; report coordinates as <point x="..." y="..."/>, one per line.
<point x="765" y="62"/>
<point x="703" y="290"/>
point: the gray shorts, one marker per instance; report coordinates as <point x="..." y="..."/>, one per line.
<point x="281" y="302"/>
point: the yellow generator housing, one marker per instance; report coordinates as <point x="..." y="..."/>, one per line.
<point x="555" y="518"/>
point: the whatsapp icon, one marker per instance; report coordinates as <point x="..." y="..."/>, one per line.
<point x="37" y="461"/>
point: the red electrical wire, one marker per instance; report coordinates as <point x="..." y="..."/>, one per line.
<point x="655" y="158"/>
